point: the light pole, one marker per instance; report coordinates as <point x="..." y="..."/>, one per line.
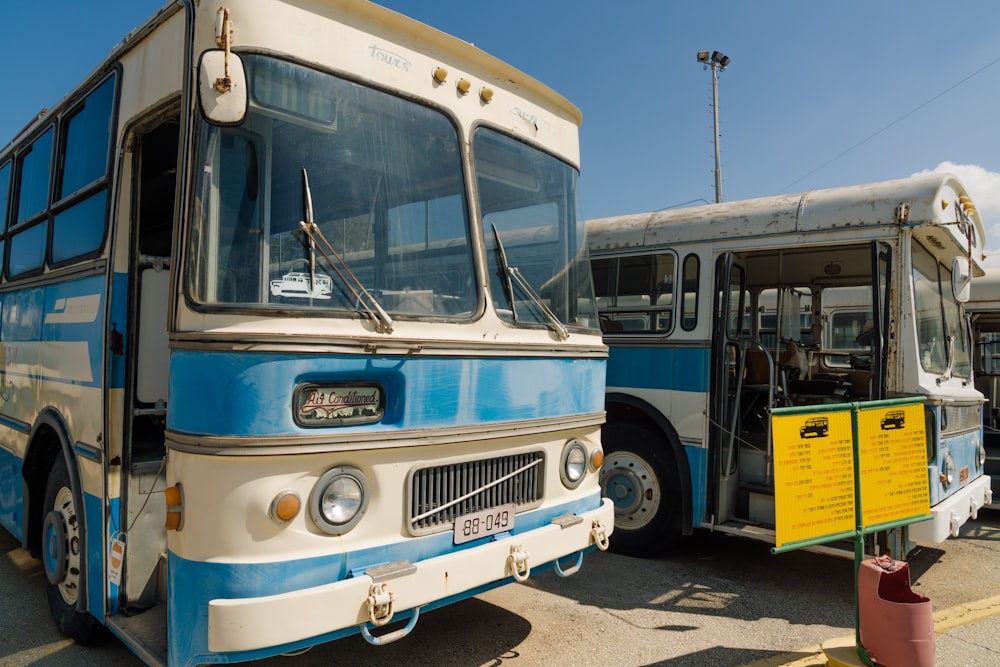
<point x="718" y="62"/>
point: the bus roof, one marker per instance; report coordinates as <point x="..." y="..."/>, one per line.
<point x="375" y="17"/>
<point x="984" y="301"/>
<point x="932" y="204"/>
<point x="468" y="51"/>
<point x="986" y="291"/>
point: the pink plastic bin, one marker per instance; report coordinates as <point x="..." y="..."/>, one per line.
<point x="896" y="624"/>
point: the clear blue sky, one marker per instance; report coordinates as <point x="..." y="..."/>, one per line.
<point x="818" y="94"/>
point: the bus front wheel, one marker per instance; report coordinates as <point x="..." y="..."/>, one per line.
<point x="640" y="477"/>
<point x="62" y="556"/>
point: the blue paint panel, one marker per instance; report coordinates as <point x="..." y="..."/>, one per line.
<point x="59" y="328"/>
<point x="117" y="326"/>
<point x="964" y="451"/>
<point x="224" y="393"/>
<point x="194" y="584"/>
<point x="679" y="368"/>
<point x="94" y="522"/>
<point x="22" y="315"/>
<point x="54" y="314"/>
<point x="698" y="462"/>
<point x="11" y="493"/>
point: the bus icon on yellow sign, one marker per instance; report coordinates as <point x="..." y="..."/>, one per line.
<point x="815" y="427"/>
<point x="893" y="419"/>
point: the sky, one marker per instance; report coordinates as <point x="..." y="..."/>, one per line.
<point x="817" y="94"/>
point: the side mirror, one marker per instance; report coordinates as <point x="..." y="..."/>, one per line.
<point x="222" y="87"/>
<point x="961" y="279"/>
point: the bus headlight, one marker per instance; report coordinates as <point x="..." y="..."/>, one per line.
<point x="948" y="470"/>
<point x="339" y="500"/>
<point x="980" y="455"/>
<point x="573" y="464"/>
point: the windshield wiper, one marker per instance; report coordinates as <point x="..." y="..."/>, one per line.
<point x="510" y="275"/>
<point x="307" y="205"/>
<point x="364" y="298"/>
<point x="950" y="351"/>
<point x="508" y="289"/>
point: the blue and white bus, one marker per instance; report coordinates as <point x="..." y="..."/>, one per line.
<point x="716" y="314"/>
<point x="299" y="336"/>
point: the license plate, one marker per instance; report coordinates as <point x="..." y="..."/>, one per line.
<point x="963" y="475"/>
<point x="495" y="520"/>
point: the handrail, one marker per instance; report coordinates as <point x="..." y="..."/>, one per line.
<point x="769" y="452"/>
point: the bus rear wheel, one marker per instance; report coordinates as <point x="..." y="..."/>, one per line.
<point x="63" y="558"/>
<point x="640" y="477"/>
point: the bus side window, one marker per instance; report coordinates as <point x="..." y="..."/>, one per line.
<point x="27" y="243"/>
<point x="78" y="227"/>
<point x="689" y="293"/>
<point x="663" y="293"/>
<point x="4" y="201"/>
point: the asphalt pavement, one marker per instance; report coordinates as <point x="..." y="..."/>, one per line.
<point x="966" y="635"/>
<point x="715" y="601"/>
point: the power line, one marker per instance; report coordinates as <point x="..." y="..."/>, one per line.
<point x="901" y="118"/>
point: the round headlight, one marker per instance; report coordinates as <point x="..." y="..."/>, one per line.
<point x="948" y="470"/>
<point x="339" y="500"/>
<point x="980" y="455"/>
<point x="574" y="464"/>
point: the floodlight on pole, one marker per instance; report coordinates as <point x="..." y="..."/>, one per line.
<point x="718" y="62"/>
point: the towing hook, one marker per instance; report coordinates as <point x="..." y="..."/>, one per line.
<point x="517" y="560"/>
<point x="599" y="534"/>
<point x="380" y="605"/>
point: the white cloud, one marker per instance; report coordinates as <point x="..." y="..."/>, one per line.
<point x="984" y="190"/>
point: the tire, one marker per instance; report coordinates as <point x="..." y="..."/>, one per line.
<point x="640" y="477"/>
<point x="63" y="558"/>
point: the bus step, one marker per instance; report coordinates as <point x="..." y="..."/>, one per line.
<point x="759" y="501"/>
<point x="762" y="534"/>
<point x="144" y="633"/>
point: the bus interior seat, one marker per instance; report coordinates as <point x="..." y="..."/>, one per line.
<point x="611" y="326"/>
<point x="794" y="361"/>
<point x="756" y="370"/>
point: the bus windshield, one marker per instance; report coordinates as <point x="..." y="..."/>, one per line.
<point x="379" y="176"/>
<point x="528" y="202"/>
<point x="944" y="347"/>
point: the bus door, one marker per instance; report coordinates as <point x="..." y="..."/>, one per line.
<point x="985" y="327"/>
<point x="729" y="354"/>
<point x="881" y="282"/>
<point x="141" y="518"/>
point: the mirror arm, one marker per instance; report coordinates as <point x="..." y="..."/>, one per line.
<point x="224" y="39"/>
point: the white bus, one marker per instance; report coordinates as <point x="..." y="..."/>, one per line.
<point x="983" y="308"/>
<point x="716" y="314"/>
<point x="299" y="335"/>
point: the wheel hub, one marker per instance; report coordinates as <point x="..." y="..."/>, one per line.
<point x="630" y="483"/>
<point x="54" y="539"/>
<point x="61" y="546"/>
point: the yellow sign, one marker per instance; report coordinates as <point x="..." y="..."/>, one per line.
<point x="892" y="450"/>
<point x="813" y="475"/>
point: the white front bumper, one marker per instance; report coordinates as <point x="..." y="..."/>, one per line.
<point x="273" y="620"/>
<point x="949" y="515"/>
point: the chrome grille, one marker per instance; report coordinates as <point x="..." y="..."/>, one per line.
<point x="959" y="418"/>
<point x="439" y="494"/>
